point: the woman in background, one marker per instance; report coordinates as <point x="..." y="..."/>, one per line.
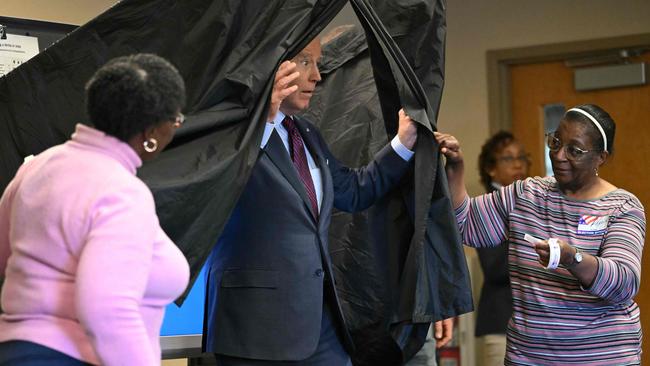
<point x="579" y="311"/>
<point x="502" y="161"/>
<point x="88" y="270"/>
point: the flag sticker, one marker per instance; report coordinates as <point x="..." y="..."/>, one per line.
<point x="592" y="225"/>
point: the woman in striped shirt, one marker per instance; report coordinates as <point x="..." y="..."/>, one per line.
<point x="575" y="248"/>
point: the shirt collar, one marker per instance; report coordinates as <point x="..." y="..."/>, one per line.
<point x="270" y="126"/>
<point x="279" y="117"/>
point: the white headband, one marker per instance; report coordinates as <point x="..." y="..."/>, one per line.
<point x="600" y="128"/>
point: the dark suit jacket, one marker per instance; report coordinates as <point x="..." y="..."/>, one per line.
<point x="271" y="268"/>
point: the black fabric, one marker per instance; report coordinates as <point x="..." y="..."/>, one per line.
<point x="403" y="281"/>
<point x="227" y="52"/>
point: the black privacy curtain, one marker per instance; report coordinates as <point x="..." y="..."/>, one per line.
<point x="406" y="279"/>
<point x="399" y="265"/>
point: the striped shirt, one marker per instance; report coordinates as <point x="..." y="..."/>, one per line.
<point x="555" y="321"/>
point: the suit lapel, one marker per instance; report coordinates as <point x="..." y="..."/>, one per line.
<point x="278" y="154"/>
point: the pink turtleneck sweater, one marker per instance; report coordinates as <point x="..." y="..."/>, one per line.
<point x="88" y="270"/>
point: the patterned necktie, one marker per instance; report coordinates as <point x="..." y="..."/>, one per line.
<point x="299" y="159"/>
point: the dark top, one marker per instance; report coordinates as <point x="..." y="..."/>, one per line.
<point x="495" y="304"/>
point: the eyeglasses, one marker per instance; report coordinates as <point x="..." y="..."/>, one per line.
<point x="510" y="160"/>
<point x="572" y="152"/>
<point x="179" y="120"/>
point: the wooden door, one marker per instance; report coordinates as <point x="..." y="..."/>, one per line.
<point x="537" y="85"/>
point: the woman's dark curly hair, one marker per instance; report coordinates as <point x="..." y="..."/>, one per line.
<point x="487" y="159"/>
<point x="131" y="93"/>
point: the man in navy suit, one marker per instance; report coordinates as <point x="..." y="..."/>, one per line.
<point x="271" y="298"/>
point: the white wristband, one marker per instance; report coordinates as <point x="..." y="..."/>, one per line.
<point x="554" y="253"/>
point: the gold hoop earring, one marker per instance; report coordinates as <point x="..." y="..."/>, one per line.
<point x="150" y="145"/>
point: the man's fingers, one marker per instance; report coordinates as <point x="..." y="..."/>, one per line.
<point x="288" y="91"/>
<point x="283" y="82"/>
<point x="438" y="330"/>
<point x="445" y="340"/>
<point x="444" y="331"/>
<point x="283" y="77"/>
<point x="405" y="117"/>
<point x="285" y="69"/>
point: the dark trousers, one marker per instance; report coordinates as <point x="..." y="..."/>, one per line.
<point x="23" y="353"/>
<point x="330" y="351"/>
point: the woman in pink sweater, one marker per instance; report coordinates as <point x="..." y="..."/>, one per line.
<point x="87" y="269"/>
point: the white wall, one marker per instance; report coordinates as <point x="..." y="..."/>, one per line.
<point x="74" y="12"/>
